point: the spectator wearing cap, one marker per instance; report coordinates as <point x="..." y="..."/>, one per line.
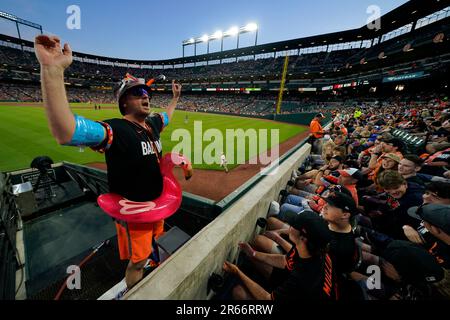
<point x="300" y="200"/>
<point x="133" y="173"/>
<point x="389" y="161"/>
<point x="389" y="145"/>
<point x="311" y="180"/>
<point x="335" y="164"/>
<point x="436" y="193"/>
<point x="410" y="270"/>
<point x="305" y="273"/>
<point x="339" y="211"/>
<point x="315" y="202"/>
<point x="349" y="178"/>
<point x="436" y="219"/>
<point x="317" y="132"/>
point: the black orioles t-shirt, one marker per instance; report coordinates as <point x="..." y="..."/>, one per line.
<point x="343" y="251"/>
<point x="133" y="159"/>
<point x="309" y="279"/>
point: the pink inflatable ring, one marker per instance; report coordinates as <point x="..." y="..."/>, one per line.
<point x="159" y="209"/>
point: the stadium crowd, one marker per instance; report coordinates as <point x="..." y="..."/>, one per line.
<point x="366" y="216"/>
<point x="255" y="105"/>
<point x="23" y="63"/>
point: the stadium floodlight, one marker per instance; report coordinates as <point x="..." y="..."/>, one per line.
<point x="251" y="27"/>
<point x="234" y="31"/>
<point x="204" y="38"/>
<point x="218" y="35"/>
<point x="17" y="21"/>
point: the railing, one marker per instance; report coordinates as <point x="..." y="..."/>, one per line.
<point x="8" y="229"/>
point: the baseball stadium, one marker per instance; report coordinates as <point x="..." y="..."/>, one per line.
<point x="278" y="171"/>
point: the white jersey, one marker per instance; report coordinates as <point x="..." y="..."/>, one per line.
<point x="223" y="160"/>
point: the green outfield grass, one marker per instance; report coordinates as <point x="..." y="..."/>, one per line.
<point x="24" y="134"/>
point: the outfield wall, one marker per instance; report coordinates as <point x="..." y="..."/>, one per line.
<point x="184" y="276"/>
<point x="303" y="118"/>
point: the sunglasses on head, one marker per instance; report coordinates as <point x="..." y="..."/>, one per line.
<point x="139" y="92"/>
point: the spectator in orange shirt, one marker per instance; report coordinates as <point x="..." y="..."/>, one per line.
<point x="317" y="133"/>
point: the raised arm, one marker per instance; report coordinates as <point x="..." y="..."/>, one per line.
<point x="176" y="89"/>
<point x="53" y="62"/>
<point x="65" y="127"/>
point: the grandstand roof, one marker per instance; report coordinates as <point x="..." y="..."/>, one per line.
<point x="401" y="16"/>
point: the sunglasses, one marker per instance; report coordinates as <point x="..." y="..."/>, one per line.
<point x="139" y="92"/>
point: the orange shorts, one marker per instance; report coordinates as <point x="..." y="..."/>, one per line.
<point x="135" y="240"/>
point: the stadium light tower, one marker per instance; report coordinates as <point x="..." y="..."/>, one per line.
<point x="219" y="35"/>
<point x="252" y="27"/>
<point x="18" y="21"/>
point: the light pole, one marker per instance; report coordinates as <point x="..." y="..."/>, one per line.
<point x="232" y="32"/>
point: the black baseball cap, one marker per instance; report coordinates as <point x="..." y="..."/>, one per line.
<point x="437" y="215"/>
<point x="440" y="188"/>
<point x="342" y="201"/>
<point x="386" y="136"/>
<point x="312" y="227"/>
<point x="413" y="263"/>
<point x="352" y="172"/>
<point x="320" y="115"/>
<point x="396" y="142"/>
<point x="338" y="158"/>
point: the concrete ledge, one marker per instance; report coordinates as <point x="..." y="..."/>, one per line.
<point x="184" y="276"/>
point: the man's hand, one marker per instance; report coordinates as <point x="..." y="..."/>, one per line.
<point x="230" y="268"/>
<point x="412" y="235"/>
<point x="176" y="89"/>
<point x="49" y="53"/>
